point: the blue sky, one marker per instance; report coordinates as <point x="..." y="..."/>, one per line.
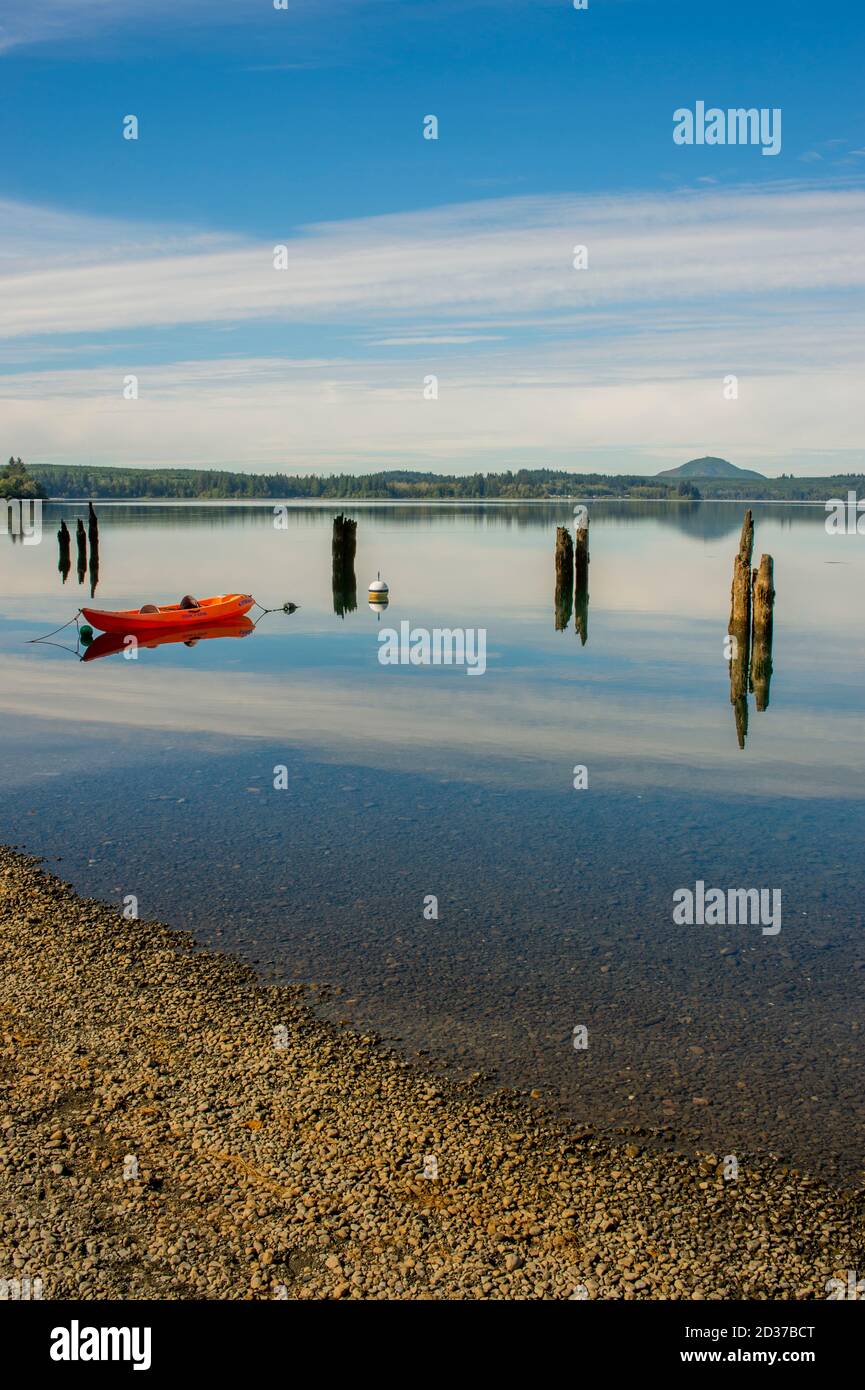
<point x="412" y="257"/>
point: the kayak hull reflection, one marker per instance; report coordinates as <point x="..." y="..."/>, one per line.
<point x="109" y="643"/>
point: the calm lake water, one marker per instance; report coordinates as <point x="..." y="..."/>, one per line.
<point x="155" y="777"/>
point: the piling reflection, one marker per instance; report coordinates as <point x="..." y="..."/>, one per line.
<point x="84" y="539"/>
<point x="564" y="578"/>
<point x="572" y="577"/>
<point x="81" y="543"/>
<point x="581" y="616"/>
<point x="93" y="538"/>
<point x="581" y="573"/>
<point x="64" y="542"/>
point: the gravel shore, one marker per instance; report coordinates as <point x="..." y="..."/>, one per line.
<point x="173" y="1129"/>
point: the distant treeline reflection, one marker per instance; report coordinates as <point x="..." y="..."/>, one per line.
<point x="702" y="520"/>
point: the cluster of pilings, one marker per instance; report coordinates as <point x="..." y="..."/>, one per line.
<point x="752" y="601"/>
<point x="572" y="578"/>
<point x="343" y="547"/>
<point x="82" y="537"/>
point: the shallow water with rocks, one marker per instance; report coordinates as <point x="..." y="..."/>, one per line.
<point x="177" y="1130"/>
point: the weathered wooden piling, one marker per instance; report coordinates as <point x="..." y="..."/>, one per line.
<point x="344" y="580"/>
<point x="81" y="539"/>
<point x="564" y="577"/>
<point x="64" y="542"/>
<point x="344" y="537"/>
<point x="739" y="628"/>
<point x="763" y="610"/>
<point x="752" y="601"/>
<point x="581" y="557"/>
<point x="581" y="572"/>
<point x="740" y="594"/>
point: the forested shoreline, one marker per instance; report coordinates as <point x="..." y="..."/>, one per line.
<point x="110" y="483"/>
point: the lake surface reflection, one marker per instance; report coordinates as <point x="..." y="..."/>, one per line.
<point x="155" y="777"/>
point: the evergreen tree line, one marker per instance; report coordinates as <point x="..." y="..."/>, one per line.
<point x="61" y="482"/>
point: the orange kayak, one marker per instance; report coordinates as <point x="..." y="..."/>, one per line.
<point x="112" y="642"/>
<point x="224" y="608"/>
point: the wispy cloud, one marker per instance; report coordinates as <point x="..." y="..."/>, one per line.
<point x="328" y="415"/>
<point x="502" y="257"/>
<point x="435" y="339"/>
<point x="25" y="22"/>
<point x="534" y="358"/>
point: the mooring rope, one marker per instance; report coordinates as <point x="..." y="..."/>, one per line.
<point x="74" y="620"/>
<point x="285" y="608"/>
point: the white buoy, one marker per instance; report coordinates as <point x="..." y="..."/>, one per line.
<point x="378" y="594"/>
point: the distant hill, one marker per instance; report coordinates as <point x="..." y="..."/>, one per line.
<point x="709" y="467"/>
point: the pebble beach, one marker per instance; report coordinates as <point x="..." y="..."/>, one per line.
<point x="174" y="1129"/>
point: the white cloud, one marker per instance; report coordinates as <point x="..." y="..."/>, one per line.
<point x="503" y="257"/>
<point x="299" y="415"/>
<point x="435" y="339"/>
<point x="24" y="22"/>
<point x="44" y="21"/>
<point x="681" y="290"/>
<point x="58" y="21"/>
